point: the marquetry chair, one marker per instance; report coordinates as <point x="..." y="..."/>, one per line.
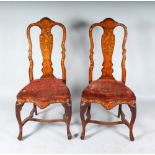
<point x="48" y="89"/>
<point x="107" y="91"/>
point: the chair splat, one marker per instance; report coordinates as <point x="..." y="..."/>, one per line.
<point x="46" y="45"/>
<point x="107" y="44"/>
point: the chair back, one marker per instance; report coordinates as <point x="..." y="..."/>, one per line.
<point x="46" y="45"/>
<point x="107" y="44"/>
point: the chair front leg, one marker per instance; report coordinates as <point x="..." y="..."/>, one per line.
<point x="83" y="108"/>
<point x="67" y="118"/>
<point x="18" y="116"/>
<point x="133" y="117"/>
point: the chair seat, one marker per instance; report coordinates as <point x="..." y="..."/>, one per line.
<point x="108" y="92"/>
<point x="45" y="91"/>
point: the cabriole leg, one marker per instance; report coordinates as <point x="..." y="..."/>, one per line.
<point x="83" y="108"/>
<point x="18" y="116"/>
<point x="133" y="117"/>
<point x="67" y="117"/>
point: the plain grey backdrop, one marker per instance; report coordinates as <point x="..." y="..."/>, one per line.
<point x="77" y="17"/>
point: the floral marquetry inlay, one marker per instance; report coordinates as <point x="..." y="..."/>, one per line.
<point x="46" y="45"/>
<point x="107" y="42"/>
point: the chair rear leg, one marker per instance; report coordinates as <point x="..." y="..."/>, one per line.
<point x="18" y="116"/>
<point x="88" y="112"/>
<point x="133" y="117"/>
<point x="67" y="118"/>
<point x="35" y="107"/>
<point x="83" y="108"/>
<point x="119" y="110"/>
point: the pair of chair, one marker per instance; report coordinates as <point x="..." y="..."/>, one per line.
<point x="105" y="91"/>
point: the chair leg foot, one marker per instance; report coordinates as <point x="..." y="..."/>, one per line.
<point x="69" y="136"/>
<point x="83" y="109"/>
<point x="133" y="117"/>
<point x="82" y="137"/>
<point x="67" y="118"/>
<point x="18" y="116"/>
<point x="132" y="137"/>
<point x="20" y="136"/>
<point x="119" y="110"/>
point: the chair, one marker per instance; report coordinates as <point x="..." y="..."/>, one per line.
<point x="107" y="91"/>
<point x="48" y="89"/>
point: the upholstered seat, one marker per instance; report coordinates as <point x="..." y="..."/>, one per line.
<point x="108" y="92"/>
<point x="45" y="91"/>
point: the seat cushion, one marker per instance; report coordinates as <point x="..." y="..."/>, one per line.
<point x="44" y="91"/>
<point x="108" y="92"/>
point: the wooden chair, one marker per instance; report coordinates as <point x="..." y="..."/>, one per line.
<point x="107" y="91"/>
<point x="48" y="89"/>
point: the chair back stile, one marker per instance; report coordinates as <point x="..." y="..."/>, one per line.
<point x="46" y="45"/>
<point x="107" y="45"/>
